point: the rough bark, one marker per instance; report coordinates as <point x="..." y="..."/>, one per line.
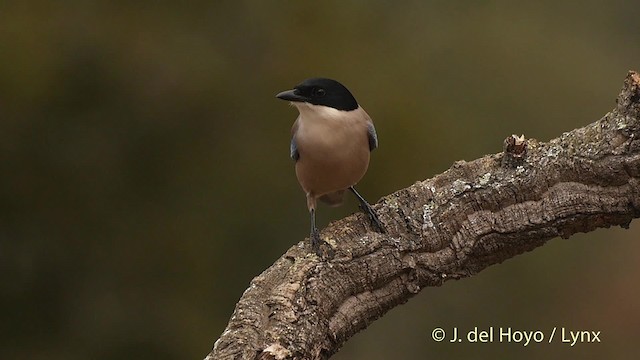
<point x="473" y="215"/>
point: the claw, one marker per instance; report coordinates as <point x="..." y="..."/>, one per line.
<point x="375" y="222"/>
<point x="364" y="205"/>
<point x="320" y="247"/>
<point x="315" y="241"/>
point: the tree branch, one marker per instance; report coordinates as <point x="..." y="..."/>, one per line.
<point x="473" y="215"/>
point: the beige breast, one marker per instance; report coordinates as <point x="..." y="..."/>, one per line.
<point x="333" y="148"/>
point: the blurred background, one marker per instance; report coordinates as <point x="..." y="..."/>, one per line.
<point x="145" y="171"/>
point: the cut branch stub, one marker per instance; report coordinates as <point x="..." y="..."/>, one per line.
<point x="451" y="226"/>
<point x="515" y="149"/>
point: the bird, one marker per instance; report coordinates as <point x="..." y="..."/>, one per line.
<point x="331" y="142"/>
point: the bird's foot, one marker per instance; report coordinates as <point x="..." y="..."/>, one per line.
<point x="375" y="222"/>
<point x="364" y="205"/>
<point x="373" y="217"/>
<point x="320" y="247"/>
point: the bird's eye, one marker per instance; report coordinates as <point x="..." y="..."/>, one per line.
<point x="319" y="92"/>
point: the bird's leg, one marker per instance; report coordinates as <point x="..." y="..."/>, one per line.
<point x="314" y="236"/>
<point x="319" y="246"/>
<point x="364" y="205"/>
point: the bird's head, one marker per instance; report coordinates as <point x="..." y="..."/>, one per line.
<point x="322" y="92"/>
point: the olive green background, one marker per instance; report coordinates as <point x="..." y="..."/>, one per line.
<point x="145" y="172"/>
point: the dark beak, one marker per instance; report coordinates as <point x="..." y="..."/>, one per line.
<point x="290" y="95"/>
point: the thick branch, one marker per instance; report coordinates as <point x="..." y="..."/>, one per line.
<point x="473" y="215"/>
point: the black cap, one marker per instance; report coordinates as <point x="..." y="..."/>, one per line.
<point x="321" y="91"/>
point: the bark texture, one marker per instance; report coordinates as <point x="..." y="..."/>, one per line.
<point x="473" y="215"/>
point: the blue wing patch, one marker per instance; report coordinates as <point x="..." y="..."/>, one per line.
<point x="373" y="137"/>
<point x="293" y="148"/>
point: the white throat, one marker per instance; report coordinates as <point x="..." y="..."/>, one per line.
<point x="315" y="111"/>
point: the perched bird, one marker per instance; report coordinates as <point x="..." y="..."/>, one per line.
<point x="330" y="143"/>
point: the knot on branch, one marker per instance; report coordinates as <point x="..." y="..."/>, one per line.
<point x="515" y="150"/>
<point x="629" y="98"/>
